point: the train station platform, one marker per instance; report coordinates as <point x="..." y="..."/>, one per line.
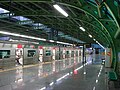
<point x="59" y="44"/>
<point x="66" y="74"/>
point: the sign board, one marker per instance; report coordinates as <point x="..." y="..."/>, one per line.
<point x="108" y="57"/>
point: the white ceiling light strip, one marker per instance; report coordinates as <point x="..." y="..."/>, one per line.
<point x="51" y="41"/>
<point x="82" y="29"/>
<point x="90" y="36"/>
<point x="63" y="43"/>
<point x="31" y="37"/>
<point x="94" y="39"/>
<point x="60" y="10"/>
<point x="24" y="36"/>
<point x="12" y="40"/>
<point x="100" y="44"/>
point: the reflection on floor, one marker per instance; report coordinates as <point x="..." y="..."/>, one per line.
<point x="67" y="74"/>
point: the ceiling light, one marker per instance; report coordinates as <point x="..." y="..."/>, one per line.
<point x="90" y="36"/>
<point x="94" y="39"/>
<point x="60" y="10"/>
<point x="82" y="29"/>
<point x="24" y="36"/>
<point x="100" y="44"/>
<point x="51" y="41"/>
<point x="63" y="43"/>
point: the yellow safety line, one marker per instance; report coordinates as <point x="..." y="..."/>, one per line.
<point x="26" y="66"/>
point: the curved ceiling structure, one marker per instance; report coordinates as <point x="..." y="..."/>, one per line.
<point x="100" y="18"/>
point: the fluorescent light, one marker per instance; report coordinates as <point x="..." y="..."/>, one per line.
<point x="82" y="29"/>
<point x="51" y="41"/>
<point x="100" y="44"/>
<point x="60" y="10"/>
<point x="12" y="40"/>
<point x="24" y="36"/>
<point x="90" y="36"/>
<point x="94" y="39"/>
<point x="51" y="83"/>
<point x="63" y="43"/>
<point x="80" y="46"/>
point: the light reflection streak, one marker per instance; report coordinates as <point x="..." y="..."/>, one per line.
<point x="62" y="77"/>
<point x="94" y="88"/>
<point x="84" y="73"/>
<point x="79" y="68"/>
<point x="43" y="88"/>
<point x="71" y="72"/>
<point x="59" y="79"/>
<point x="19" y="75"/>
<point x="51" y="83"/>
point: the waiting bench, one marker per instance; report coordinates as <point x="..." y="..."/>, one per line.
<point x="112" y="76"/>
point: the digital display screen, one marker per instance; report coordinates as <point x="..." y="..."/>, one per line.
<point x="31" y="53"/>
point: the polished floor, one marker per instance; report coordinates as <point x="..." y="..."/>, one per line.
<point x="67" y="74"/>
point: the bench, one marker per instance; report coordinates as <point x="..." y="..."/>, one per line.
<point x="112" y="76"/>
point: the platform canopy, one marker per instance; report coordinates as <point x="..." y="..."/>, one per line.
<point x="99" y="18"/>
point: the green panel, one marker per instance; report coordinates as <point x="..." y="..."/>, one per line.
<point x="116" y="63"/>
<point x="117" y="35"/>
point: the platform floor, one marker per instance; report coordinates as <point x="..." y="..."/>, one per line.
<point x="68" y="74"/>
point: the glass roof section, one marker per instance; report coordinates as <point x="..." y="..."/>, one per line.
<point x="21" y="18"/>
<point x="39" y="26"/>
<point x="3" y="11"/>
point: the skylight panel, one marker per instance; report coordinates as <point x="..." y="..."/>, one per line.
<point x="37" y="24"/>
<point x="21" y="18"/>
<point x="3" y="11"/>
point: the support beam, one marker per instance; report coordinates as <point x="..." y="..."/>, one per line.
<point x="26" y="1"/>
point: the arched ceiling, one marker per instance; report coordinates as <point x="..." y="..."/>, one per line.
<point x="100" y="18"/>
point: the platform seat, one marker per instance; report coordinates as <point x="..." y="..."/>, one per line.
<point x="112" y="76"/>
